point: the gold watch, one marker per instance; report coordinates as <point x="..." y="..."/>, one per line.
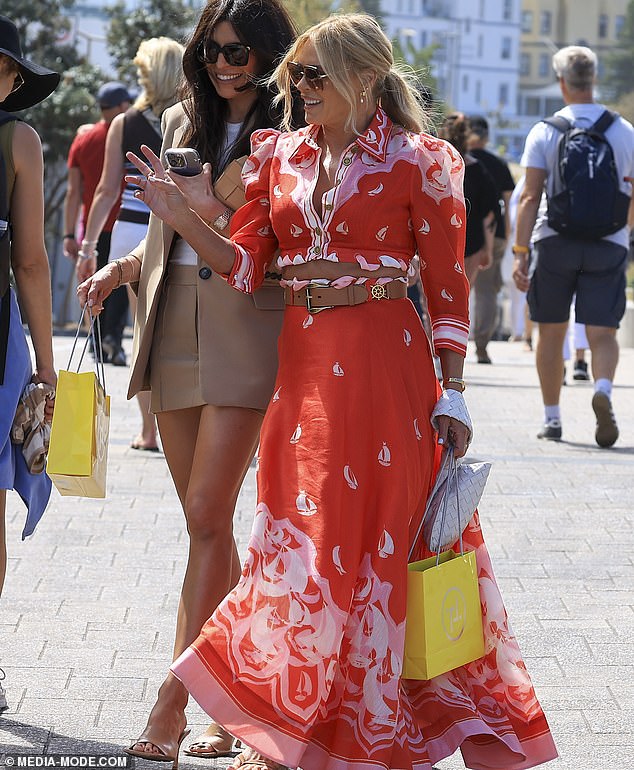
<point x="222" y="220"/>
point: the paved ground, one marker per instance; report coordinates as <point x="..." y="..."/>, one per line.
<point x="87" y="617"/>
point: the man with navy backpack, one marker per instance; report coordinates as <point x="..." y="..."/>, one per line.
<point x="584" y="158"/>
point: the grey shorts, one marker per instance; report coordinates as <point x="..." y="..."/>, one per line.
<point x="591" y="271"/>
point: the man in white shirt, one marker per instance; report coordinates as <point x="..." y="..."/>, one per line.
<point x="562" y="267"/>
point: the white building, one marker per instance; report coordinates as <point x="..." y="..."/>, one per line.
<point x="476" y="63"/>
<point x="90" y="26"/>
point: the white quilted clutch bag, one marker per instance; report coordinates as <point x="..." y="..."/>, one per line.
<point x="452" y="501"/>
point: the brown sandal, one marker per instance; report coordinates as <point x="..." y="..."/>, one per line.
<point x="215" y="742"/>
<point x="167" y="752"/>
<point x="251" y="760"/>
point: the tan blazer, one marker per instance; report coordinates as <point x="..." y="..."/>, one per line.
<point x="237" y="342"/>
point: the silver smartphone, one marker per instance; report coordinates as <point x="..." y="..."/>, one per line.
<point x="184" y="161"/>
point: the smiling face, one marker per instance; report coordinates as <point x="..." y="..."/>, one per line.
<point x="224" y="76"/>
<point x="322" y="106"/>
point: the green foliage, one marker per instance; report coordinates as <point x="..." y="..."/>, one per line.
<point x="305" y="13"/>
<point x="619" y="64"/>
<point x="419" y="61"/>
<point x="152" y="18"/>
<point x="373" y="7"/>
<point x="41" y="24"/>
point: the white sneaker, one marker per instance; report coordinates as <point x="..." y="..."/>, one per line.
<point x="3" y="698"/>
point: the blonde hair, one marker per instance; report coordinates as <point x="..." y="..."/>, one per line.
<point x="353" y="49"/>
<point x="577" y="66"/>
<point x="160" y="65"/>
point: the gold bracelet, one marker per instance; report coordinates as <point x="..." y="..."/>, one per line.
<point x="520" y="249"/>
<point x="120" y="271"/>
<point x="455" y="381"/>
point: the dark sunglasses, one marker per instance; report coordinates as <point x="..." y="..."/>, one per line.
<point x="236" y="54"/>
<point x="314" y="75"/>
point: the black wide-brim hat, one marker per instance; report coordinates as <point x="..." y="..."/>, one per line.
<point x="39" y="82"/>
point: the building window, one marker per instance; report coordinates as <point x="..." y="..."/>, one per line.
<point x="503" y="99"/>
<point x="478" y="92"/>
<point x="465" y="82"/>
<point x="410" y="7"/>
<point x="467" y="26"/>
<point x="545" y="23"/>
<point x="527" y="22"/>
<point x="532" y="106"/>
<point x="399" y="6"/>
<point x="525" y="64"/>
<point x="482" y="9"/>
<point x="505" y="50"/>
<point x="480" y="46"/>
<point x="544" y="65"/>
<point x="603" y="25"/>
<point x="619" y="23"/>
<point x="507" y="12"/>
<point x="423" y="38"/>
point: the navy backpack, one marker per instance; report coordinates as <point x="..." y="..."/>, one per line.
<point x="586" y="202"/>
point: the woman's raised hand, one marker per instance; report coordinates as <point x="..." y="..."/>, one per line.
<point x="199" y="193"/>
<point x="157" y="190"/>
<point x="94" y="290"/>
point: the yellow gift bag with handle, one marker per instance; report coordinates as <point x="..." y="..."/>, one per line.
<point x="443" y="627"/>
<point x="78" y="451"/>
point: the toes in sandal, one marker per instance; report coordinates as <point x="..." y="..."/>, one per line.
<point x="167" y="751"/>
<point x="213" y="743"/>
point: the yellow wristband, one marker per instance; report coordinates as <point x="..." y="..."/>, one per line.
<point x="520" y="249"/>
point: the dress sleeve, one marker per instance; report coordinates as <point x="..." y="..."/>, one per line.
<point x="253" y="238"/>
<point x="438" y="220"/>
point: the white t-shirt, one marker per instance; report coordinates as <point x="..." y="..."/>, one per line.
<point x="540" y="151"/>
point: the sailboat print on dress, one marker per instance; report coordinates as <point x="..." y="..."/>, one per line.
<point x="386" y="545"/>
<point x="417" y="429"/>
<point x="407" y="337"/>
<point x="350" y="478"/>
<point x="307" y="321"/>
<point x="297" y="434"/>
<point x="336" y="558"/>
<point x="385" y="456"/>
<point x="337" y="370"/>
<point x="305" y="505"/>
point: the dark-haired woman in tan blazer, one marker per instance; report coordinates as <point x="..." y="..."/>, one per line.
<point x="207" y="353"/>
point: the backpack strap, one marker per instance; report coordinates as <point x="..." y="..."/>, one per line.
<point x="604" y="122"/>
<point x="557" y="121"/>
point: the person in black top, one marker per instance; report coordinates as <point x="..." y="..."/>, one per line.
<point x="489" y="282"/>
<point x="480" y="197"/>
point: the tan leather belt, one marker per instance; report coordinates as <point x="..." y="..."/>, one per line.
<point x="316" y="298"/>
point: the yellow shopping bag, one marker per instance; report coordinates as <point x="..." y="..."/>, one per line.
<point x="443" y="624"/>
<point x="78" y="451"/>
<point x="443" y="628"/>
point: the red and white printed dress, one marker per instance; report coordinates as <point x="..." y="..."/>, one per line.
<point x="302" y="659"/>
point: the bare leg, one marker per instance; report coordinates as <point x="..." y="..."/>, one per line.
<point x="605" y="351"/>
<point x="3" y="538"/>
<point x="208" y="450"/>
<point x="550" y="360"/>
<point x="147" y="437"/>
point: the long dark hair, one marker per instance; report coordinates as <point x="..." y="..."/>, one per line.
<point x="266" y="26"/>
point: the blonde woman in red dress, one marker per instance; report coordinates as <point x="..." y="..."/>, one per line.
<point x="302" y="660"/>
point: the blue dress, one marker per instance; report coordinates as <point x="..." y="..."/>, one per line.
<point x="34" y="489"/>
